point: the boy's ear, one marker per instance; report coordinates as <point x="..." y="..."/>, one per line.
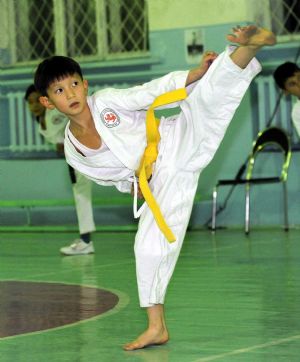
<point x="46" y="103"/>
<point x="85" y="86"/>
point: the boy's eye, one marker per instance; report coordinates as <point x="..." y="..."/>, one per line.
<point x="75" y="83"/>
<point x="291" y="83"/>
<point x="58" y="91"/>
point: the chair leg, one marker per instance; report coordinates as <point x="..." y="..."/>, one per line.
<point x="214" y="209"/>
<point x="285" y="206"/>
<point x="247" y="210"/>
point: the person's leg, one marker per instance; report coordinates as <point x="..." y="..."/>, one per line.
<point x="82" y="192"/>
<point x="155" y="256"/>
<point x="250" y="39"/>
<point x="155" y="334"/>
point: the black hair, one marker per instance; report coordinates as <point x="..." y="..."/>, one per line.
<point x="54" y="68"/>
<point x="30" y="89"/>
<point x="283" y="72"/>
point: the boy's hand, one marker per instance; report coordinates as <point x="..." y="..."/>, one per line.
<point x="197" y="73"/>
<point x="207" y="59"/>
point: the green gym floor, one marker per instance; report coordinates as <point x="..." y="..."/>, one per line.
<point x="232" y="298"/>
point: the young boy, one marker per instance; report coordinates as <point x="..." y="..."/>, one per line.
<point x="52" y="126"/>
<point x="106" y="137"/>
<point x="287" y="77"/>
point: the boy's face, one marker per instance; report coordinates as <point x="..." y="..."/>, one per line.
<point x="292" y="85"/>
<point x="35" y="107"/>
<point x="67" y="95"/>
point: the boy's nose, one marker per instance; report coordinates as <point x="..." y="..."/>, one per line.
<point x="70" y="93"/>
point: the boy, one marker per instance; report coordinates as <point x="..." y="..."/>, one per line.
<point x="52" y="126"/>
<point x="106" y="138"/>
<point x="287" y="77"/>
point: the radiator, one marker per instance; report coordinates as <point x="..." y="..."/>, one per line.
<point x="23" y="129"/>
<point x="24" y="135"/>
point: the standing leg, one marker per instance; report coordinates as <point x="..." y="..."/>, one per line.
<point x="156" y="333"/>
<point x="155" y="256"/>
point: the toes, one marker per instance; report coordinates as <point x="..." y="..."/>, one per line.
<point x="132" y="346"/>
<point x="231" y="37"/>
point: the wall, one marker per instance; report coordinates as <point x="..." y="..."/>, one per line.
<point x="184" y="14"/>
<point x="169" y="34"/>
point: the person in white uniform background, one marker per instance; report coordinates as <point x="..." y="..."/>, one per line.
<point x="287" y="77"/>
<point x="52" y="126"/>
<point x="106" y="138"/>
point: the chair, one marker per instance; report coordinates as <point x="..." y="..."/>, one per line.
<point x="278" y="140"/>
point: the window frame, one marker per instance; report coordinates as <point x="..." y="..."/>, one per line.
<point x="60" y="39"/>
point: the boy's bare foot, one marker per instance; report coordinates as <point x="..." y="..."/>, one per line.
<point x="252" y="35"/>
<point x="149" y="338"/>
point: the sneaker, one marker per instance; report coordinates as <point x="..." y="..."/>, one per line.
<point x="79" y="247"/>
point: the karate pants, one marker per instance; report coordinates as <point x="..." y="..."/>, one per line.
<point x="82" y="192"/>
<point x="188" y="143"/>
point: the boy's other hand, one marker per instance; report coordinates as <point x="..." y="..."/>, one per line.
<point x="207" y="59"/>
<point x="197" y="73"/>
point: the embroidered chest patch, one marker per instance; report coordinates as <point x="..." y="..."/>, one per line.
<point x="110" y="118"/>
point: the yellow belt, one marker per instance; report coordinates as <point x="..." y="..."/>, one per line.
<point x="144" y="171"/>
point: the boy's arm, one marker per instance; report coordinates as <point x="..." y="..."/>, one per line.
<point x="197" y="73"/>
<point x="142" y="96"/>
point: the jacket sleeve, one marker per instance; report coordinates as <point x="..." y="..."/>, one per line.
<point x="142" y="96"/>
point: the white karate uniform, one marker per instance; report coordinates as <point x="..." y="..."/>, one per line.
<point x="188" y="143"/>
<point x="55" y="123"/>
<point x="296" y="116"/>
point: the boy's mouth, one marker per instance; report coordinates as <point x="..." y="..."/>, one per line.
<point x="74" y="104"/>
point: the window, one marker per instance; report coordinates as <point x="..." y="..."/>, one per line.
<point x="285" y="18"/>
<point x="94" y="29"/>
<point x="282" y="16"/>
<point x="271" y="105"/>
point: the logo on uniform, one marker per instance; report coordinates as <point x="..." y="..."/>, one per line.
<point x="110" y="118"/>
